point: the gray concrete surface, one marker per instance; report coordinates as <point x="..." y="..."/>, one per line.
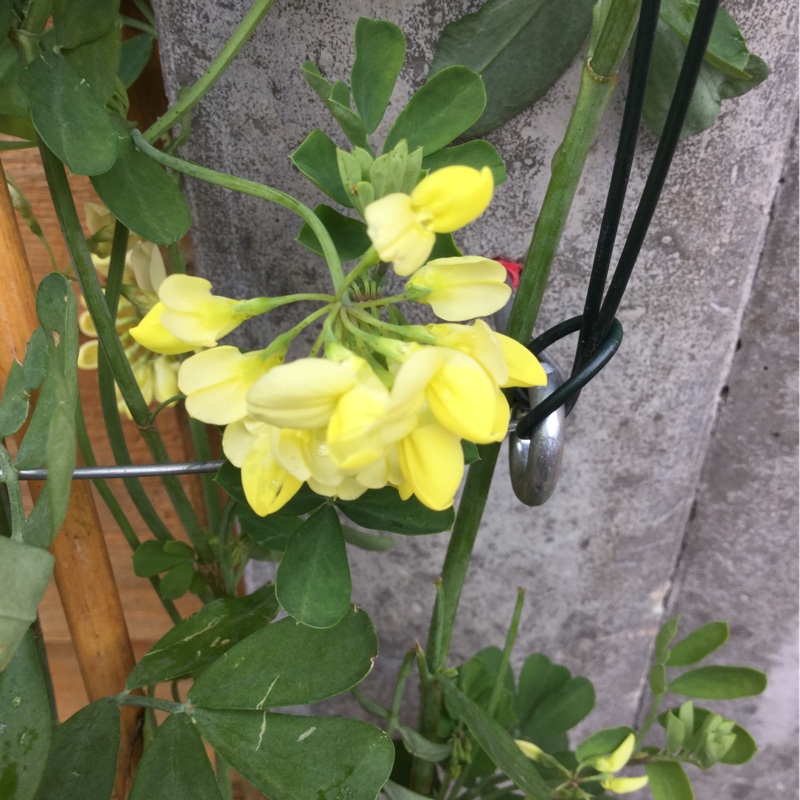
<point x="600" y="559"/>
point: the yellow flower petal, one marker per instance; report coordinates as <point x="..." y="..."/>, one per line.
<point x="432" y="463"/>
<point x="625" y="785"/>
<point x="150" y="333"/>
<point x="354" y="435"/>
<point x="237" y="441"/>
<point x="87" y="355"/>
<point x="461" y="288"/>
<point x="216" y="383"/>
<point x="86" y="324"/>
<point x="452" y="197"/>
<point x="619" y="758"/>
<point x="300" y="395"/>
<point x="147" y="265"/>
<point x="524" y="368"/>
<point x="478" y="341"/>
<point x="193" y="314"/>
<point x="397" y="233"/>
<point x="165" y="370"/>
<point x="267" y="485"/>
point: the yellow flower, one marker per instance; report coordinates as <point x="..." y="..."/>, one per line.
<point x="216" y="382"/>
<point x="432" y="464"/>
<point x="100" y="222"/>
<point x="193" y="314"/>
<point x="403" y="227"/>
<point x="625" y="785"/>
<point x="529" y="749"/>
<point x="619" y="758"/>
<point x="150" y="333"/>
<point x="460" y="288"/>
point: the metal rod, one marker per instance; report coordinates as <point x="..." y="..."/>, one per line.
<point x="129" y="471"/>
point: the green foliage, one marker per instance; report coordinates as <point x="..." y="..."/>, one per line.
<point x="201" y="639"/>
<point x="698" y="644"/>
<point x="83" y="755"/>
<point x="15" y="117"/>
<point x="664" y="637"/>
<point x="175" y="559"/>
<point x="293" y="757"/>
<point x="383" y="510"/>
<point x="601" y="743"/>
<point x="496" y="741"/>
<point x="287" y="664"/>
<point x="719" y="683"/>
<point x="68" y="116"/>
<point x="78" y="23"/>
<point x="175" y="763"/>
<point x="313" y="580"/>
<point x="668" y="781"/>
<point x="142" y="196"/>
<point x="476" y="154"/>
<point x="316" y="159"/>
<point x="134" y="56"/>
<point x="349" y="235"/>
<point x="14" y="405"/>
<point x="518" y="47"/>
<point x="380" y="52"/>
<point x="550" y="700"/>
<point x="439" y="111"/>
<point x="729" y="69"/>
<point x="25" y="714"/>
<point x="98" y="61"/>
<point x="336" y="97"/>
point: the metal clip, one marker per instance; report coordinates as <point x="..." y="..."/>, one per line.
<point x="535" y="463"/>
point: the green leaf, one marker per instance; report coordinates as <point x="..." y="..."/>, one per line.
<point x="657" y="679"/>
<point x="313" y="580"/>
<point x="337" y="100"/>
<point x="25" y="714"/>
<point x="476" y="154"/>
<point x="367" y="541"/>
<point x="602" y="743"/>
<point x="202" y="638"/>
<point x="83" y="755"/>
<point x="380" y="52"/>
<point x="664" y="637"/>
<point x="394" y="791"/>
<point x="136" y="52"/>
<point x="24" y="574"/>
<point x="32" y="452"/>
<point x="743" y="749"/>
<point x="496" y="741"/>
<point x="726" y="50"/>
<point x="349" y="235"/>
<point x="78" y="23"/>
<point x="97" y="62"/>
<point x="67" y="115"/>
<point x="176" y="582"/>
<point x="35" y="364"/>
<point x="175" y="763"/>
<point x="418" y="745"/>
<point x="441" y="110"/>
<point x="712" y="86"/>
<point x="14" y="405"/>
<point x="471" y="454"/>
<point x="6" y="18"/>
<point x="150" y="559"/>
<point x="719" y="683"/>
<point x="383" y="510"/>
<point x="549" y="700"/>
<point x="143" y="197"/>
<point x="668" y="781"/>
<point x="316" y="159"/>
<point x="15" y="118"/>
<point x="272" y="531"/>
<point x="519" y="47"/>
<point x="698" y="644"/>
<point x="61" y="453"/>
<point x="445" y="247"/>
<point x="287" y="663"/>
<point x="293" y="757"/>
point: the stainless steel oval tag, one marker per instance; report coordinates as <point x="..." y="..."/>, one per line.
<point x="535" y="463"/>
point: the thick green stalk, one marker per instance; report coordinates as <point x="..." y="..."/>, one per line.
<point x="202" y="450"/>
<point x="191" y="96"/>
<point x="593" y="97"/>
<point x="254" y="190"/>
<point x="111" y="345"/>
<point x="506" y="657"/>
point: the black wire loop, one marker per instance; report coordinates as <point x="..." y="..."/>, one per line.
<point x="601" y="356"/>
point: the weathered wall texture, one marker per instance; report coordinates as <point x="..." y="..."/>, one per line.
<point x="616" y="544"/>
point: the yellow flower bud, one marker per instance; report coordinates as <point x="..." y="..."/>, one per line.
<point x="619" y="758"/>
<point x="529" y="749"/>
<point x="461" y="288"/>
<point x="624" y="785"/>
<point x="403" y="227"/>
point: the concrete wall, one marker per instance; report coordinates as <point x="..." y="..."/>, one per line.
<point x="619" y="545"/>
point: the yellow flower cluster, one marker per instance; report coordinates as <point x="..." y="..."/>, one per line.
<point x="144" y="273"/>
<point x="387" y="404"/>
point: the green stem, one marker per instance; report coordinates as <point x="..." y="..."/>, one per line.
<point x="197" y="91"/>
<point x="402" y="678"/>
<point x="112" y="348"/>
<point x="128" y="531"/>
<point x="177" y="262"/>
<point x="202" y="449"/>
<point x="44" y="663"/>
<point x="229" y="573"/>
<point x="263" y="305"/>
<point x="499" y="682"/>
<point x="368" y="260"/>
<point x="254" y="190"/>
<point x="568" y="164"/>
<point x="652" y="716"/>
<point x="415" y="333"/>
<point x="280" y="344"/>
<point x="11" y="480"/>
